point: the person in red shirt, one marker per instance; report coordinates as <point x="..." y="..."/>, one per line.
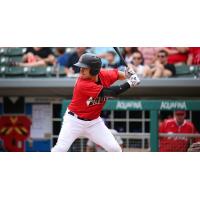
<point x="194" y="56"/>
<point x="177" y="55"/>
<point x="92" y="89"/>
<point x="177" y="125"/>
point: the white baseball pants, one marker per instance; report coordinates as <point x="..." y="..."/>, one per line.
<point x="95" y="130"/>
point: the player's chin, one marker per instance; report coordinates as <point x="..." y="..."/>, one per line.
<point x="83" y="76"/>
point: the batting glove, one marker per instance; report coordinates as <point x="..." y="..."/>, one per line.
<point x="133" y="80"/>
<point x="129" y="72"/>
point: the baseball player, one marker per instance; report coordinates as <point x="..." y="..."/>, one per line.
<point x="92" y="147"/>
<point x="92" y="89"/>
<point x="178" y="125"/>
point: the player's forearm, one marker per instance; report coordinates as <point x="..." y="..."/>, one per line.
<point x="121" y="76"/>
<point x="114" y="91"/>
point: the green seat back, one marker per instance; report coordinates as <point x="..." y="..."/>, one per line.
<point x="59" y="72"/>
<point x="2" y="70"/>
<point x="14" y="51"/>
<point x="4" y="61"/>
<point x="183" y="70"/>
<point x="39" y="71"/>
<point x="16" y="71"/>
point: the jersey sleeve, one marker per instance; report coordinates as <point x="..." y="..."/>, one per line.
<point x="112" y="76"/>
<point x="90" y="89"/>
<point x="109" y="76"/>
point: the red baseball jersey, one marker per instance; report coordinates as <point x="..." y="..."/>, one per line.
<point x="177" y="58"/>
<point x="195" y="51"/>
<point x="85" y="102"/>
<point x="14" y="130"/>
<point x="173" y="143"/>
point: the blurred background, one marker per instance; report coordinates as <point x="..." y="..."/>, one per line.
<point x="162" y="114"/>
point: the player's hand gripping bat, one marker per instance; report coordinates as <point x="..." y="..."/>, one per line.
<point x="129" y="72"/>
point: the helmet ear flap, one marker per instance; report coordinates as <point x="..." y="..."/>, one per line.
<point x="95" y="66"/>
<point x="94" y="71"/>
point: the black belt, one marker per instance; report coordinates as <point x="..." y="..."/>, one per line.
<point x="71" y="113"/>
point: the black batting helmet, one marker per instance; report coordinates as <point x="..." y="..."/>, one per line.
<point x="89" y="60"/>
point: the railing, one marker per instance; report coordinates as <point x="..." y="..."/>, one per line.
<point x="173" y="135"/>
<point x="128" y="142"/>
<point x="179" y="142"/>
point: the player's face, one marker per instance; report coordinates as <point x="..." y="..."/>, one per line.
<point x="85" y="73"/>
<point x="180" y="118"/>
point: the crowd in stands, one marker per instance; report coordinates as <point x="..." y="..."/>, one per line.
<point x="152" y="62"/>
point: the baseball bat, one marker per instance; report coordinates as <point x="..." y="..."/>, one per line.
<point x="120" y="55"/>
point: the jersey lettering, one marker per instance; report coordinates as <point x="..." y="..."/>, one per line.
<point x="94" y="101"/>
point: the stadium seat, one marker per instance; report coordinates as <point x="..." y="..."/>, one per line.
<point x="58" y="72"/>
<point x="2" y="71"/>
<point x="40" y="71"/>
<point x="16" y="59"/>
<point x="184" y="71"/>
<point x="16" y="71"/>
<point x="10" y="52"/>
<point x="3" y="51"/>
<point x="188" y="71"/>
<point x="195" y="70"/>
<point x="4" y="61"/>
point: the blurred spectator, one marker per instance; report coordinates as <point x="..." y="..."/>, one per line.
<point x="111" y="61"/>
<point x="161" y="67"/>
<point x="177" y="55"/>
<point x="73" y="58"/>
<point x="128" y="53"/>
<point x="37" y="56"/>
<point x="149" y="54"/>
<point x="178" y="125"/>
<point x="102" y="53"/>
<point x="63" y="56"/>
<point x="101" y="50"/>
<point x="194" y="56"/>
<point x="92" y="147"/>
<point x="137" y="66"/>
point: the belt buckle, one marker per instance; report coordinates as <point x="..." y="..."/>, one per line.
<point x="83" y="119"/>
<point x="73" y="114"/>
